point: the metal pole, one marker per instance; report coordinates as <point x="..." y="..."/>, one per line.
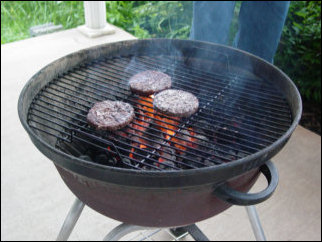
<point x="122" y="230"/>
<point x="70" y="220"/>
<point x="255" y="222"/>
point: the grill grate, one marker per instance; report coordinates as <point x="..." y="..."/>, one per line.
<point x="237" y="115"/>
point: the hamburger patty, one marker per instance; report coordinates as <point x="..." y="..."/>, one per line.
<point x="110" y="115"/>
<point x="176" y="103"/>
<point x="149" y="82"/>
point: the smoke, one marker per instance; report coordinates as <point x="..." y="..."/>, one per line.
<point x="211" y="21"/>
<point x="158" y="57"/>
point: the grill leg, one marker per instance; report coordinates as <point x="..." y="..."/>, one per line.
<point x="122" y="230"/>
<point x="70" y="220"/>
<point x="193" y="230"/>
<point x="255" y="222"/>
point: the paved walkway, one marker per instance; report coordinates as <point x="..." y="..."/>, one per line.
<point x="35" y="201"/>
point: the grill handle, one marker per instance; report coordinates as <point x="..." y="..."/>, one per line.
<point x="229" y="195"/>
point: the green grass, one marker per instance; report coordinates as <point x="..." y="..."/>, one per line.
<point x="18" y="16"/>
<point x="144" y="19"/>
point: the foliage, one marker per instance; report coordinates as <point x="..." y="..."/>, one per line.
<point x="149" y="19"/>
<point x="299" y="53"/>
<point x="18" y="16"/>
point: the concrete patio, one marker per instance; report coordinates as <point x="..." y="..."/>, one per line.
<point x="35" y="201"/>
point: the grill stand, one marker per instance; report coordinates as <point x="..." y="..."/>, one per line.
<point x="255" y="222"/>
<point x="124" y="229"/>
<point x="71" y="220"/>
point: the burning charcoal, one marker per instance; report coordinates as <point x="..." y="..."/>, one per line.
<point x="85" y="157"/>
<point x="156" y="138"/>
<point x="191" y="160"/>
<point x="203" y="126"/>
<point x="203" y="142"/>
<point x="197" y="161"/>
<point x="221" y="156"/>
<point x="229" y="130"/>
<point x="168" y="154"/>
<point x="184" y="142"/>
<point x="105" y="159"/>
<point x="89" y="153"/>
<point x="211" y="161"/>
<point x="112" y="161"/>
<point x="200" y="132"/>
<point x="164" y="164"/>
<point x="146" y="168"/>
<point x="241" y="154"/>
<point x="76" y="149"/>
<point x="232" y="154"/>
<point x="226" y="156"/>
<point x="208" y="162"/>
<point x="169" y="150"/>
<point x="102" y="159"/>
<point x="185" y="134"/>
<point x="126" y="161"/>
<point x="157" y="144"/>
<point x="157" y="141"/>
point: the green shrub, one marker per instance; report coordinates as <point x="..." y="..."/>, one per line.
<point x="149" y="19"/>
<point x="299" y="52"/>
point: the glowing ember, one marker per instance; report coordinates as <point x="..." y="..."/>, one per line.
<point x="147" y="106"/>
<point x="170" y="132"/>
<point x="166" y="124"/>
<point x="186" y="140"/>
<point x="131" y="154"/>
<point x="141" y="123"/>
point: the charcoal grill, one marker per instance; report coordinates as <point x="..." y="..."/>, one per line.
<point x="160" y="165"/>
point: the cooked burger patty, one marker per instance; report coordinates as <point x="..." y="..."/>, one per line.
<point x="110" y="115"/>
<point x="149" y="82"/>
<point x="176" y="103"/>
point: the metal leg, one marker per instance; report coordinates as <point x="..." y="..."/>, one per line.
<point x="192" y="229"/>
<point x="70" y="220"/>
<point x="256" y="224"/>
<point x="122" y="230"/>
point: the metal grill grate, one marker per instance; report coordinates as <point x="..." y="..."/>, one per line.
<point x="237" y="115"/>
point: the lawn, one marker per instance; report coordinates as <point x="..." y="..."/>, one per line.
<point x="18" y="16"/>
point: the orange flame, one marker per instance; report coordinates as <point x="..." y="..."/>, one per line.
<point x="161" y="159"/>
<point x="131" y="154"/>
<point x="147" y="105"/>
<point x="187" y="141"/>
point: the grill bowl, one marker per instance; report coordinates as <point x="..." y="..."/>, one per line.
<point x="147" y="192"/>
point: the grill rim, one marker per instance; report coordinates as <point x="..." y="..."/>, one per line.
<point x="99" y="172"/>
